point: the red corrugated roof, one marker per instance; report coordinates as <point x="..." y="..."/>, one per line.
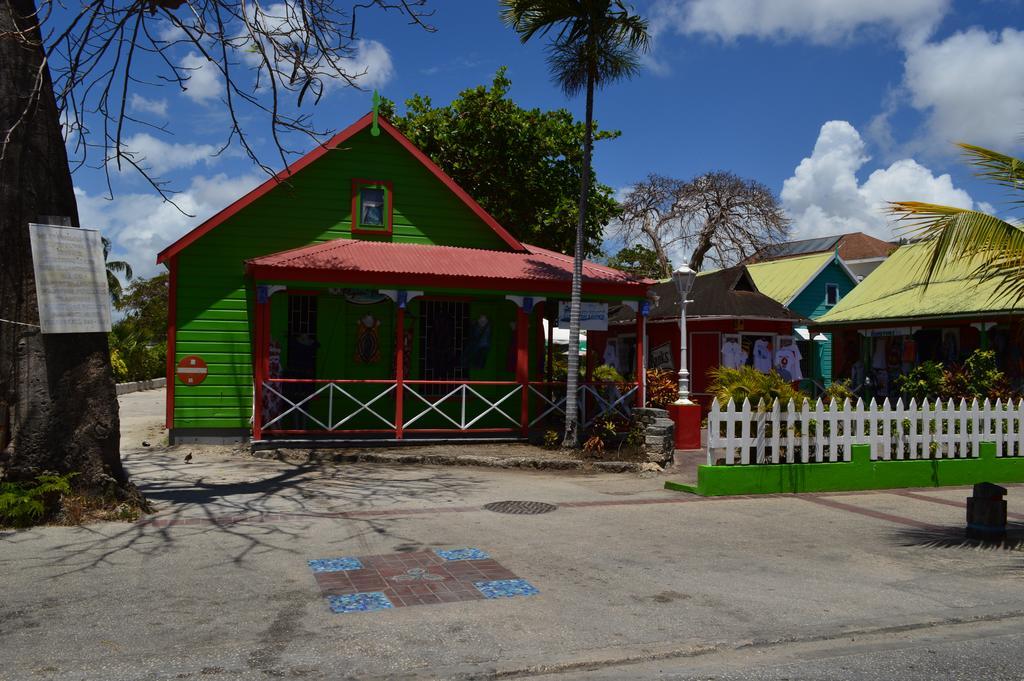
<point x="419" y="265"/>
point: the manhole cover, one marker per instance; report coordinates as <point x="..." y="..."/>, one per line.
<point x="520" y="507"/>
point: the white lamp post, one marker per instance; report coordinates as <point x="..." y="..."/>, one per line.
<point x="683" y="277"/>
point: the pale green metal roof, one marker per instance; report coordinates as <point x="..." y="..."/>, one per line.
<point x="896" y="290"/>
<point x="784" y="279"/>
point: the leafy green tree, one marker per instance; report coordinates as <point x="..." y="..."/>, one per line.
<point x="138" y="341"/>
<point x="639" y="260"/>
<point x="521" y="165"/>
<point x="144" y="304"/>
<point x="958" y="233"/>
<point x="114" y="268"/>
<point x="595" y="43"/>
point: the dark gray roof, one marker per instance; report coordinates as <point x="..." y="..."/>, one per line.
<point x="802" y="247"/>
<point x="724" y="293"/>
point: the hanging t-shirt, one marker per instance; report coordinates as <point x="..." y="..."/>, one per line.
<point x="733" y="356"/>
<point x="762" y="356"/>
<point x="787" y="363"/>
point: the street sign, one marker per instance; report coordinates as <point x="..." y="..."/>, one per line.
<point x="71" y="279"/>
<point x="593" y="316"/>
<point x="192" y="370"/>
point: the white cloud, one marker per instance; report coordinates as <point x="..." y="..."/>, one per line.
<point x="159" y="156"/>
<point x="369" y="64"/>
<point x="204" y="78"/>
<point x="969" y="88"/>
<point x="374" y="59"/>
<point x="819" y="21"/>
<point x="825" y="197"/>
<point x="157" y="107"/>
<point x="141" y="225"/>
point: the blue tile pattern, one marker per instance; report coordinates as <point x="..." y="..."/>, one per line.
<point x="335" y="564"/>
<point x="462" y="554"/>
<point x="506" y="588"/>
<point x="368" y="601"/>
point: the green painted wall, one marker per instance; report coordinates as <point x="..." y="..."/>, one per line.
<point x="810" y="303"/>
<point x="858" y="474"/>
<point x="214" y="312"/>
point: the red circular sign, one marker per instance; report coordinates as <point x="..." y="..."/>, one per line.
<point x="192" y="370"/>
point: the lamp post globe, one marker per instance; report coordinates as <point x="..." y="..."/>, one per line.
<point x="683" y="278"/>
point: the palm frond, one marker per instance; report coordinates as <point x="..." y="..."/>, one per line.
<point x="959" y="234"/>
<point x="998" y="168"/>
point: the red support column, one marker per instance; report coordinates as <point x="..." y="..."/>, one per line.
<point x="641" y="351"/>
<point x="399" y="368"/>
<point x="523" y="368"/>
<point x="551" y="342"/>
<point x="260" y="359"/>
<point x="172" y="336"/>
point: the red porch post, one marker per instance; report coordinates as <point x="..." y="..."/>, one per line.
<point x="641" y="352"/>
<point x="172" y="335"/>
<point x="399" y="364"/>
<point x="551" y="342"/>
<point x="523" y="366"/>
<point x="260" y="359"/>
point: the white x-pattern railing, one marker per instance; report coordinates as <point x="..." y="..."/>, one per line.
<point x="615" y="403"/>
<point x="463" y="405"/>
<point x="462" y="391"/>
<point x="364" y="404"/>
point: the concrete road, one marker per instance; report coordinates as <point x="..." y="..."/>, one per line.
<point x="634" y="581"/>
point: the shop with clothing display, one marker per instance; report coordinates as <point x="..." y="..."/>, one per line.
<point x="729" y="323"/>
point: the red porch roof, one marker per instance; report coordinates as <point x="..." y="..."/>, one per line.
<point x="378" y="263"/>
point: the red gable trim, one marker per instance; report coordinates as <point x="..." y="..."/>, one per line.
<point x="315" y="154"/>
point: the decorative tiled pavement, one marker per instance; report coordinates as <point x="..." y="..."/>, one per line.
<point x="395" y="580"/>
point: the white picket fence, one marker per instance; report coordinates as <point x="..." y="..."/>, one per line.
<point x="819" y="432"/>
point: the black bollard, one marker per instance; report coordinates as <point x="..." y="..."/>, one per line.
<point x="986" y="512"/>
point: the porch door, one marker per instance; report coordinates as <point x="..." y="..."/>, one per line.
<point x="443" y="332"/>
<point x="704" y="354"/>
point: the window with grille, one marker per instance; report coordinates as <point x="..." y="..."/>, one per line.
<point x="443" y="331"/>
<point x="301" y="315"/>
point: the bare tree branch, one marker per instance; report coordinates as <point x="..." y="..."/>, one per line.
<point x="716" y="216"/>
<point x="268" y="58"/>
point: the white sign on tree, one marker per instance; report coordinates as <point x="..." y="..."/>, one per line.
<point x="71" y="279"/>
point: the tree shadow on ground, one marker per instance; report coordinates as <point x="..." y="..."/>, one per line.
<point x="955" y="537"/>
<point x="272" y="509"/>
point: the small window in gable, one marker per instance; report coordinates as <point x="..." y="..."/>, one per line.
<point x="371" y="207"/>
<point x="831" y="294"/>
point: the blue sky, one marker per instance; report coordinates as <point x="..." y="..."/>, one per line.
<point x="837" y="106"/>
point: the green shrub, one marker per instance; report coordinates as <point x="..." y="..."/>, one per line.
<point x="839" y="391"/>
<point x="923" y="381"/>
<point x="978" y="378"/>
<point x="747" y="383"/>
<point x="23" y="504"/>
<point x="607" y="374"/>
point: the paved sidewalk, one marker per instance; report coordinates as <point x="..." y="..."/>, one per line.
<point x="630" y="579"/>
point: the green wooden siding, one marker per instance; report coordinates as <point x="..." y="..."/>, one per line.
<point x="214" y="308"/>
<point x="810" y="303"/>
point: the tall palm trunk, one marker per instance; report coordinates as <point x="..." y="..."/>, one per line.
<point x="56" y="390"/>
<point x="572" y="380"/>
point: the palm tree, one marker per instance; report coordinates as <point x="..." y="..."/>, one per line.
<point x="958" y="233"/>
<point x="115" y="267"/>
<point x="595" y="42"/>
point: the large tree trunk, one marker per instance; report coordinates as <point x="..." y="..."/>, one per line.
<point x="572" y="436"/>
<point x="57" y="389"/>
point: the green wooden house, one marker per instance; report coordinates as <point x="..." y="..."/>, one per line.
<point x="361" y="293"/>
<point x="810" y="286"/>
